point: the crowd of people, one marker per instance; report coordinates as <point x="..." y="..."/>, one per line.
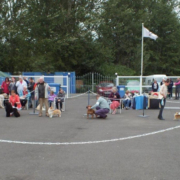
<point x="22" y="91"/>
<point x="102" y="107"/>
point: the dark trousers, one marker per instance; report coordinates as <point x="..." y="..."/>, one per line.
<point x="23" y="102"/>
<point x="50" y="102"/>
<point x="60" y="103"/>
<point x="177" y="93"/>
<point x="101" y="112"/>
<point x="170" y="92"/>
<point x="161" y="109"/>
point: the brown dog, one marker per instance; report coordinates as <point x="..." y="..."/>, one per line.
<point x="90" y="112"/>
<point x="176" y="116"/>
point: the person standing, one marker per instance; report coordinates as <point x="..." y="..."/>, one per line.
<point x="31" y="89"/>
<point x="12" y="85"/>
<point x="41" y="93"/>
<point x="170" y="89"/>
<point x="162" y="82"/>
<point x="102" y="107"/>
<point x="20" y="84"/>
<point x="25" y="79"/>
<point x="177" y="84"/>
<point x="155" y="86"/>
<point x="162" y="95"/>
<point x="5" y="86"/>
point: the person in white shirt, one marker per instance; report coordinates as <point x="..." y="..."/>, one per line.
<point x="162" y="95"/>
<point x="20" y="84"/>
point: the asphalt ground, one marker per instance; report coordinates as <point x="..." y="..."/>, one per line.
<point x="128" y="153"/>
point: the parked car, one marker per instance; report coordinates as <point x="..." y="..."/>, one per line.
<point x="104" y="88"/>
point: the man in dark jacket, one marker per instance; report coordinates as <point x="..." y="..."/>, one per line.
<point x="41" y="93"/>
<point x="177" y="84"/>
<point x="31" y="89"/>
<point x="170" y="89"/>
<point x="155" y="86"/>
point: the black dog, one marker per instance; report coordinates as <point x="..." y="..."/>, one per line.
<point x="10" y="109"/>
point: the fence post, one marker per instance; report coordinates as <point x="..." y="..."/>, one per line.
<point x="92" y="82"/>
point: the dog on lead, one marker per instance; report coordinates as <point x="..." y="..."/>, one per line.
<point x="11" y="110"/>
<point x="177" y="116"/>
<point x="52" y="112"/>
<point x="90" y="112"/>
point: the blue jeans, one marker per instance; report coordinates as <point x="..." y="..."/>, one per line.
<point x="50" y="102"/>
<point x="127" y="103"/>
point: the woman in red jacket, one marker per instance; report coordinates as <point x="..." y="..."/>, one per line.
<point x="13" y="106"/>
<point x="15" y="100"/>
<point x="5" y="85"/>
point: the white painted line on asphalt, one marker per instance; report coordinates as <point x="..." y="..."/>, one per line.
<point x="89" y="142"/>
<point x="171" y="107"/>
<point x="173" y="102"/>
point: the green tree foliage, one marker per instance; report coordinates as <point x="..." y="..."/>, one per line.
<point x="88" y="35"/>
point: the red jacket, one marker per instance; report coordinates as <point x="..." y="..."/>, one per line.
<point x="14" y="100"/>
<point x="5" y="87"/>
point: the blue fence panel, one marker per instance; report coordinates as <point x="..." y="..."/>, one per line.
<point x="49" y="79"/>
<point x="72" y="79"/>
<point x="55" y="87"/>
<point x="73" y="82"/>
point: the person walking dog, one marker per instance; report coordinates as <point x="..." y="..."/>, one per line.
<point x="41" y="93"/>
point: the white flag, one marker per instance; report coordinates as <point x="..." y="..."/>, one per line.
<point x="149" y="34"/>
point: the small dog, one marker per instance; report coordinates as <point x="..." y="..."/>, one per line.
<point x="1" y="101"/>
<point x="177" y="116"/>
<point x="53" y="112"/>
<point x="2" y="97"/>
<point x="90" y="112"/>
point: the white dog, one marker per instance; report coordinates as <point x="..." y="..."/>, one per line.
<point x="53" y="112"/>
<point x="2" y="96"/>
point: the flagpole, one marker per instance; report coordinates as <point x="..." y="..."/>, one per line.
<point x="142" y="58"/>
<point x="142" y="70"/>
